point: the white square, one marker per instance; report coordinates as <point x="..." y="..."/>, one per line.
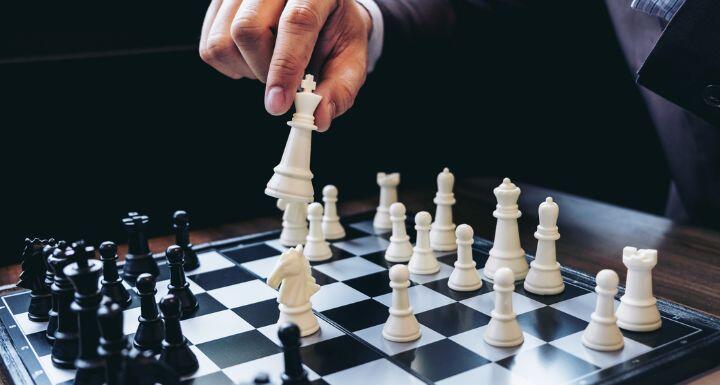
<point x="210" y="261"/>
<point x="334" y="295"/>
<point x="206" y="365"/>
<point x="27" y="326"/>
<point x="55" y="375"/>
<point x="421" y="299"/>
<point x="573" y="345"/>
<point x="485" y="303"/>
<point x="473" y="340"/>
<point x="348" y="268"/>
<point x="378" y="372"/>
<point x="130" y="320"/>
<point x="162" y="288"/>
<point x="244" y="293"/>
<point x="275" y="244"/>
<point x="580" y="307"/>
<point x="444" y="272"/>
<point x="363" y="245"/>
<point x="326" y="332"/>
<point x="487" y="374"/>
<point x="262" y="267"/>
<point x="373" y="336"/>
<point x="271" y="365"/>
<point x="213" y="326"/>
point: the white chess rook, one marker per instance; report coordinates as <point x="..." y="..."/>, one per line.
<point x="602" y="333"/>
<point x="316" y="248"/>
<point x="331" y="226"/>
<point x="442" y="231"/>
<point x="400" y="249"/>
<point x="423" y="260"/>
<point x="401" y="325"/>
<point x="506" y="250"/>
<point x="293" y="179"/>
<point x="638" y="308"/>
<point x="388" y="195"/>
<point x="465" y="276"/>
<point x="294" y="225"/>
<point x="544" y="277"/>
<point x="503" y="329"/>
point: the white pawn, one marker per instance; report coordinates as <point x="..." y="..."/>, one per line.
<point x="506" y="250"/>
<point x="602" y="333"/>
<point x="331" y="226"/>
<point x="464" y="277"/>
<point x="544" y="277"/>
<point x="442" y="231"/>
<point x="400" y="249"/>
<point x="638" y="310"/>
<point x="294" y="224"/>
<point x="503" y="329"/>
<point x="401" y="325"/>
<point x="423" y="260"/>
<point x="388" y="195"/>
<point x="316" y="249"/>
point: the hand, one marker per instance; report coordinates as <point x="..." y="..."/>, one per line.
<point x="275" y="42"/>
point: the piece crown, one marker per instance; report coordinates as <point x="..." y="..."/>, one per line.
<point x="634" y="257"/>
<point x="305" y="103"/>
<point x="548" y="213"/>
<point x="507" y="193"/>
<point x="445" y="181"/>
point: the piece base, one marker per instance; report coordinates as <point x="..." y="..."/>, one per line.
<point x="409" y="338"/>
<point x="543" y="290"/>
<point x="633" y="327"/>
<point x="602" y="348"/>
<point x="504" y="344"/>
<point x="463" y="287"/>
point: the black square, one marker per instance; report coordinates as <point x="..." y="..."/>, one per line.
<point x="206" y="305"/>
<point x="669" y="331"/>
<point x="135" y="299"/>
<point x="478" y="256"/>
<point x="441" y="286"/>
<point x="359" y="315"/>
<point x="337" y="254"/>
<point x="549" y="324"/>
<point x="378" y="258"/>
<point x="238" y="348"/>
<point x="40" y="343"/>
<point x="259" y="314"/>
<point x="547" y="364"/>
<point x="322" y="279"/>
<point x="217" y="378"/>
<point x="350" y="233"/>
<point x="440" y="360"/>
<point x="571" y="291"/>
<point x="221" y="278"/>
<point x="452" y="319"/>
<point x="18" y="303"/>
<point x="336" y="354"/>
<point x="372" y="285"/>
<point x="164" y="272"/>
<point x="251" y="253"/>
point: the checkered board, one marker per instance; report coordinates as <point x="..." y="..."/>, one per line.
<point x="234" y="335"/>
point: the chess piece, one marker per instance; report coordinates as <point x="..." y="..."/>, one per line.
<point x="293" y="179"/>
<point x="294" y="225"/>
<point x="506" y="250"/>
<point x="294" y="374"/>
<point x="544" y="277"/>
<point x="151" y="328"/>
<point x="47" y="252"/>
<point x="178" y="285"/>
<point x="112" y="284"/>
<point x="638" y="310"/>
<point x="602" y="333"/>
<point x="465" y="276"/>
<point x="503" y="329"/>
<point x="331" y="226"/>
<point x="400" y="249"/>
<point x="175" y="350"/>
<point x="401" y="325"/>
<point x="423" y="260"/>
<point x="112" y="340"/>
<point x="388" y="195"/>
<point x="292" y="275"/>
<point x="32" y="278"/>
<point x="50" y="280"/>
<point x="84" y="275"/>
<point x="181" y="228"/>
<point x="316" y="248"/>
<point x="65" y="336"/>
<point x="442" y="231"/>
<point x="139" y="258"/>
<point x="141" y="368"/>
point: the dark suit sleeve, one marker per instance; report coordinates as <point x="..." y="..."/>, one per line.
<point x="684" y="66"/>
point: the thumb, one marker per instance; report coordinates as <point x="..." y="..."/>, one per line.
<point x="341" y="78"/>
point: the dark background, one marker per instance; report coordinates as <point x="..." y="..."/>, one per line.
<point x="108" y="108"/>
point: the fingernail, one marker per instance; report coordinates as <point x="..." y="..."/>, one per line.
<point x="275" y="100"/>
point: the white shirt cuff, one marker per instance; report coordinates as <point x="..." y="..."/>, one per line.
<point x="375" y="43"/>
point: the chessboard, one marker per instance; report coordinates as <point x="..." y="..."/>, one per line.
<point x="234" y="332"/>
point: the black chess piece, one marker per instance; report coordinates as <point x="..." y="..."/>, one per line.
<point x="84" y="275"/>
<point x="65" y="336"/>
<point x="294" y="373"/>
<point x="141" y="368"/>
<point x="181" y="227"/>
<point x="33" y="278"/>
<point x="151" y="330"/>
<point x="175" y="351"/>
<point x="139" y="258"/>
<point x="49" y="280"/>
<point x="112" y="284"/>
<point x="178" y="284"/>
<point x="113" y="342"/>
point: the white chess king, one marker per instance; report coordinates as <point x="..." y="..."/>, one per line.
<point x="293" y="179"/>
<point x="506" y="250"/>
<point x="638" y="310"/>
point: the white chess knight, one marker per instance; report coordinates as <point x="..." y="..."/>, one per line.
<point x="602" y="333"/>
<point x="503" y="329"/>
<point x="292" y="275"/>
<point x="506" y="250"/>
<point x="388" y="195"/>
<point x="423" y="260"/>
<point x="316" y="248"/>
<point x="400" y="249"/>
<point x="638" y="308"/>
<point x="331" y="226"/>
<point x="294" y="224"/>
<point x="442" y="231"/>
<point x="464" y="277"/>
<point x="544" y="277"/>
<point x="293" y="179"/>
<point x="401" y="325"/>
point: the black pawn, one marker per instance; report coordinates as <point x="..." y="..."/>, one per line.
<point x="151" y="329"/>
<point x="65" y="336"/>
<point x="178" y="285"/>
<point x="112" y="284"/>
<point x="139" y="258"/>
<point x="49" y="280"/>
<point x="141" y="368"/>
<point x="175" y="351"/>
<point x="33" y="278"/>
<point x="112" y="341"/>
<point x="181" y="227"/>
<point x="294" y="373"/>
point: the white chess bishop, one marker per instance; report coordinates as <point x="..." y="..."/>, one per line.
<point x="638" y="308"/>
<point x="316" y="248"/>
<point x="294" y="223"/>
<point x="464" y="277"/>
<point x="292" y="275"/>
<point x="506" y="250"/>
<point x="602" y="333"/>
<point x="503" y="330"/>
<point x="293" y="179"/>
<point x="401" y="325"/>
<point x="388" y="195"/>
<point x="442" y="231"/>
<point x="400" y="248"/>
<point x="544" y="277"/>
<point x="331" y="226"/>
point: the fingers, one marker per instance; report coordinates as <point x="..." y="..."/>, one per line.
<point x="219" y="48"/>
<point x="251" y="31"/>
